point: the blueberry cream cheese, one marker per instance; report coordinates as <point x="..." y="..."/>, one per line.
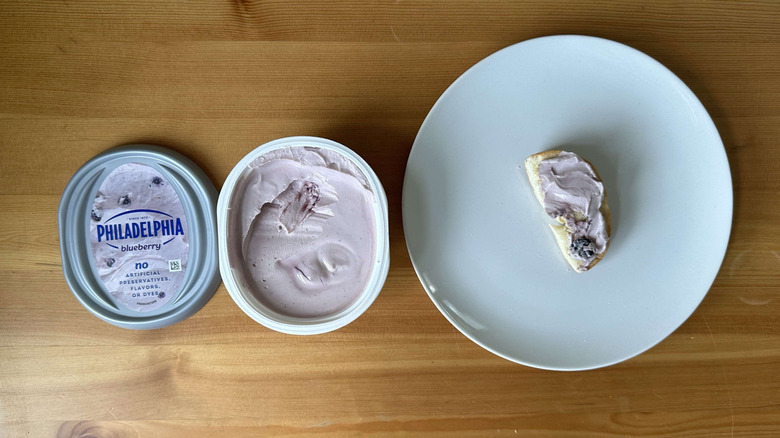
<point x="138" y="236"/>
<point x="303" y="232"/>
<point x="571" y="192"/>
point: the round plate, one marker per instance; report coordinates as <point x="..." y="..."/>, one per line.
<point x="479" y="240"/>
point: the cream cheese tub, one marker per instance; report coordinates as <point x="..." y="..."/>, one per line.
<point x="138" y="237"/>
<point x="303" y="235"/>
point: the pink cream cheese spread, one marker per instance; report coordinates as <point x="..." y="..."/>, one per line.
<point x="302" y="219"/>
<point x="573" y="192"/>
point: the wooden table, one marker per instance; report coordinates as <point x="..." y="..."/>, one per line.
<point x="214" y="80"/>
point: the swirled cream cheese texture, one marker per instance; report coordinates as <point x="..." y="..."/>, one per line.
<point x="302" y="219"/>
<point x="139" y="237"/>
<point x="573" y="192"/>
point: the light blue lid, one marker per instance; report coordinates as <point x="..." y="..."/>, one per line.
<point x="138" y="237"/>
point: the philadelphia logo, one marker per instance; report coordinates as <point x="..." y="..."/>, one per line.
<point x="133" y="230"/>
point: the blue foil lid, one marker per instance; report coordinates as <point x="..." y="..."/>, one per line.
<point x="138" y="236"/>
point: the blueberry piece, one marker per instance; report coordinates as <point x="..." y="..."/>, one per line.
<point x="578" y="244"/>
<point x="97" y="215"/>
<point x="110" y="262"/>
<point x="583" y="247"/>
<point x="124" y="200"/>
<point x="157" y="180"/>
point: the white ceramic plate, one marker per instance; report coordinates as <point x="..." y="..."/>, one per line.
<point x="479" y="240"/>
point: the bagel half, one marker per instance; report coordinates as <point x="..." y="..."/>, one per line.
<point x="563" y="233"/>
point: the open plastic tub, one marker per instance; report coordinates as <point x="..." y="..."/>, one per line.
<point x="231" y="265"/>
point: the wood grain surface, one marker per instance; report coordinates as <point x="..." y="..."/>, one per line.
<point x="214" y="79"/>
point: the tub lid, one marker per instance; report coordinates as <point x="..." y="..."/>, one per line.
<point x="138" y="237"/>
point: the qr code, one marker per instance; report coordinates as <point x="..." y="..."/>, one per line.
<point x="174" y="265"/>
